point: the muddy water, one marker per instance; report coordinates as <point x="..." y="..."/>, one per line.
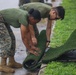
<point x="20" y="48"/>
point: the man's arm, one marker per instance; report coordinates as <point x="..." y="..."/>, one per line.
<point x="33" y="38"/>
<point x="48" y="31"/>
<point x="24" y="33"/>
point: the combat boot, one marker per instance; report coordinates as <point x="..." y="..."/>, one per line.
<point x="3" y="66"/>
<point x="13" y="64"/>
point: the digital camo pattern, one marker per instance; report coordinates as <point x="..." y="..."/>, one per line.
<point x="5" y="41"/>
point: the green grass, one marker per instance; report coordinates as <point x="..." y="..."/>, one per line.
<point x="62" y="31"/>
<point x="58" y="68"/>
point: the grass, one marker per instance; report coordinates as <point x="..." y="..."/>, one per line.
<point x="61" y="68"/>
<point x="62" y="32"/>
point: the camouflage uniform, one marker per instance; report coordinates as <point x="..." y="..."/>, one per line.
<point x="13" y="17"/>
<point x="7" y="39"/>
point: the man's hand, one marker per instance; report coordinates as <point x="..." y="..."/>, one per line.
<point x="34" y="41"/>
<point x="34" y="50"/>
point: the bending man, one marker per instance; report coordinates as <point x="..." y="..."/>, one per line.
<point x="19" y="19"/>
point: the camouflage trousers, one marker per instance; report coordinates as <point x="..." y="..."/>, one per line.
<point x="7" y="41"/>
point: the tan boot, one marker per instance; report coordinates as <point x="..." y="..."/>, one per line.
<point x="4" y="68"/>
<point x="13" y="64"/>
